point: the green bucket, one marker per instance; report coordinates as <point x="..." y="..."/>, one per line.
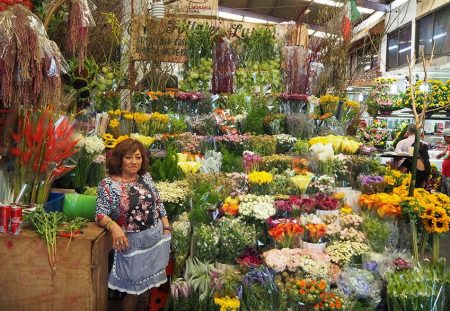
<point x="80" y="205"/>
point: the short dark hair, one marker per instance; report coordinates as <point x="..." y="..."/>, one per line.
<point x="412" y="128"/>
<point x="114" y="162"/>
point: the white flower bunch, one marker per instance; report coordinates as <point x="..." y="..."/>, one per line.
<point x="323" y="152"/>
<point x="315" y="268"/>
<point x="235" y="236"/>
<point x="351" y="234"/>
<point x="259" y="207"/>
<point x="207" y="242"/>
<point x="173" y="192"/>
<point x="310" y="219"/>
<point x="182" y="227"/>
<point x="333" y="229"/>
<point x="342" y="252"/>
<point x="350" y="220"/>
<point x="324" y="183"/>
<point x="286" y="139"/>
<point x="211" y="163"/>
<point x="93" y="145"/>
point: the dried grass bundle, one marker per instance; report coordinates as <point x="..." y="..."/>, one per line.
<point x="80" y="19"/>
<point x="30" y="64"/>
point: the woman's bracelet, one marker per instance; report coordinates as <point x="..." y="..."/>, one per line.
<point x="168" y="228"/>
<point x="108" y="224"/>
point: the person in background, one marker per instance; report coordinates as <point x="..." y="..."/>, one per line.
<point x="404" y="144"/>
<point x="362" y="126"/>
<point x="129" y="207"/>
<point x="423" y="165"/>
<point x="446" y="164"/>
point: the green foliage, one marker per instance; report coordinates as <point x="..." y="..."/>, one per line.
<point x="177" y="123"/>
<point x="199" y="43"/>
<point x="258" y="45"/>
<point x="377" y="232"/>
<point x="236" y="103"/>
<point x="204" y="198"/>
<point x="263" y="145"/>
<point x="301" y="148"/>
<point x="254" y="122"/>
<point x="231" y="162"/>
<point x="166" y="168"/>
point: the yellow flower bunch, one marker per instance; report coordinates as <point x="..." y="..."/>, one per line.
<point x="346" y="209"/>
<point x="328" y="98"/>
<point x="341" y="144"/>
<point x="145" y="140"/>
<point x="140" y="117"/>
<point x="114" y="113"/>
<point x="110" y="142"/>
<point x="260" y="178"/>
<point x="189" y="167"/>
<point x="302" y="181"/>
<point x="394" y="178"/>
<point x="128" y="116"/>
<point x="384" y="204"/>
<point x="352" y="104"/>
<point x="163" y="118"/>
<point x="227" y="303"/>
<point x="385" y="80"/>
<point x="113" y="123"/>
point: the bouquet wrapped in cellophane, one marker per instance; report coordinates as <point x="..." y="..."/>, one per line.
<point x="44" y="142"/>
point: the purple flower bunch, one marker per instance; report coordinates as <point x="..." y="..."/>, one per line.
<point x="293" y="97"/>
<point x="262" y="276"/>
<point x="371" y="184"/>
<point x="191" y="96"/>
<point x="251" y="161"/>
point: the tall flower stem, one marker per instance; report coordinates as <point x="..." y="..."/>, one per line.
<point x="435" y="247"/>
<point x="415" y="246"/>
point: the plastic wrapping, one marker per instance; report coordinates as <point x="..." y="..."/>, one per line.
<point x="30" y="63"/>
<point x="80" y="19"/>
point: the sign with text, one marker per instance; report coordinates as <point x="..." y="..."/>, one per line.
<point x="165" y="40"/>
<point x="194" y="8"/>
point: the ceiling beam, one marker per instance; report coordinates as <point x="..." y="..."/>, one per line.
<point x="274" y="7"/>
<point x="251" y="14"/>
<point x="374" y="5"/>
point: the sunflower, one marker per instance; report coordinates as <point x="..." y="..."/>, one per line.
<point x="441" y="225"/>
<point x="428" y="213"/>
<point x="440" y="213"/>
<point x="428" y="224"/>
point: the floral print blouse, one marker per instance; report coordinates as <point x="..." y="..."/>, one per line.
<point x="135" y="206"/>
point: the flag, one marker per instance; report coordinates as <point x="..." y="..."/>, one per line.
<point x="351" y="15"/>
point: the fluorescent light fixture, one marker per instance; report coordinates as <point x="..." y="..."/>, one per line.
<point x="329" y="2"/>
<point x="397" y="3"/>
<point x="232" y="16"/>
<point x="365" y="10"/>
<point x="405" y="49"/>
<point x="393" y="47"/>
<point x="254" y="20"/>
<point x="440" y="35"/>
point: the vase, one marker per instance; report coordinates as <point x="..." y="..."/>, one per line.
<point x="351" y="197"/>
<point x="322" y="213"/>
<point x="315" y="246"/>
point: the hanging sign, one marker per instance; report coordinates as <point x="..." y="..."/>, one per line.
<point x="194" y="8"/>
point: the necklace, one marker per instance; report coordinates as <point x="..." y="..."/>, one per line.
<point x="129" y="181"/>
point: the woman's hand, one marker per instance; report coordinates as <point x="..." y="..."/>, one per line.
<point x="119" y="238"/>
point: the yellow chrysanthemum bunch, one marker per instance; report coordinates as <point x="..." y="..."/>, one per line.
<point x="260" y="178"/>
<point x="227" y="303"/>
<point x="114" y="123"/>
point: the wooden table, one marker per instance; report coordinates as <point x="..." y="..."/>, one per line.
<point x="80" y="282"/>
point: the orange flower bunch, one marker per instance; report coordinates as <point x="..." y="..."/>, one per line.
<point x="230" y="209"/>
<point x="315" y="232"/>
<point x="310" y="290"/>
<point x="386" y="205"/>
<point x="330" y="302"/>
<point x="300" y="166"/>
<point x="285" y="233"/>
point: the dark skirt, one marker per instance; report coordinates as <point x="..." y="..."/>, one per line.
<point x="143" y="265"/>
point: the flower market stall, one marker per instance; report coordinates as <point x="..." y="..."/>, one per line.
<point x="278" y="200"/>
